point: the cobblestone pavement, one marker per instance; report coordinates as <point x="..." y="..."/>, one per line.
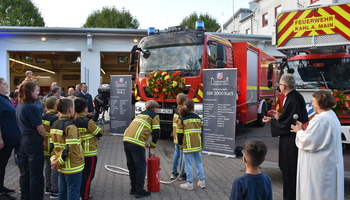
<point x="219" y="172"/>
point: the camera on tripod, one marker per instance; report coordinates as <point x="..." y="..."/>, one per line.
<point x="101" y="102"/>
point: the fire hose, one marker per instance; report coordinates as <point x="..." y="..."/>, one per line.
<point x="123" y="171"/>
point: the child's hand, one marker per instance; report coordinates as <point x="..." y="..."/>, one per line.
<point x="54" y="166"/>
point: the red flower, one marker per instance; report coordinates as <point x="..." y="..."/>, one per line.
<point x="336" y="99"/>
<point x="177" y="73"/>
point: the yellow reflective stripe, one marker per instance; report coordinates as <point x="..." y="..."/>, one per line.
<point x="153" y="144"/>
<point x="155" y="126"/>
<point x="135" y="141"/>
<point x="73" y="141"/>
<point x="143" y="122"/>
<point x="56" y="131"/>
<point x="61" y="160"/>
<point x="71" y="170"/>
<point x="221" y="40"/>
<point x="60" y="145"/>
<point x="200" y="93"/>
<point x="139" y="131"/>
<point x="47" y="134"/>
<point x="45" y="122"/>
<point x="266" y="88"/>
<point x="87" y="136"/>
<point x="195" y="130"/>
<point x="81" y="130"/>
<point x="53" y="158"/>
<point x="252" y="87"/>
<point x="188" y="140"/>
<point x="192" y="150"/>
<point x="179" y="130"/>
<point x="97" y="130"/>
<point x="90" y="153"/>
<point x="191" y="120"/>
<point x="87" y="145"/>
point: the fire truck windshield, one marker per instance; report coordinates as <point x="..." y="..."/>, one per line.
<point x="173" y="58"/>
<point x="321" y="73"/>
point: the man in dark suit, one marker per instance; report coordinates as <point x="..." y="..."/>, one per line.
<point x="294" y="103"/>
<point x="84" y="95"/>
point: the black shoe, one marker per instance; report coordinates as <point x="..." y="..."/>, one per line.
<point x="6" y="190"/>
<point x="132" y="191"/>
<point x="5" y="196"/>
<point x="142" y="193"/>
<point x="48" y="191"/>
<point x="182" y="177"/>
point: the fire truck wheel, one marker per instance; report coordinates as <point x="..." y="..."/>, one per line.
<point x="259" y="122"/>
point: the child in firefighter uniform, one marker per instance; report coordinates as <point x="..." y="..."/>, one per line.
<point x="135" y="140"/>
<point x="67" y="156"/>
<point x="51" y="176"/>
<point x="180" y="99"/>
<point x="189" y="130"/>
<point x="89" y="134"/>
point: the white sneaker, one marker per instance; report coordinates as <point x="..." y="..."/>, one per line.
<point x="201" y="184"/>
<point x="187" y="186"/>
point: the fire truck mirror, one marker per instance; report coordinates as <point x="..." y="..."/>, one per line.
<point x="219" y="52"/>
<point x="146" y="54"/>
<point x="220" y="64"/>
<point x="270" y="72"/>
<point x="131" y="68"/>
<point x="269" y="84"/>
<point x="132" y="58"/>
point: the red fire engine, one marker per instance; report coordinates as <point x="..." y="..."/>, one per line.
<point x="317" y="42"/>
<point x="189" y="52"/>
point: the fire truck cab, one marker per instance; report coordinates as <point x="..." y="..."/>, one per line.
<point x="191" y="51"/>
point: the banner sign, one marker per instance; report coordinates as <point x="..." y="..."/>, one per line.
<point x="120" y="103"/>
<point x="219" y="111"/>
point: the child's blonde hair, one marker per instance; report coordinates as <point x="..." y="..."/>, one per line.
<point x="28" y="71"/>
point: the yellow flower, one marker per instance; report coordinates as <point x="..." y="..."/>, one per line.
<point x="155" y="74"/>
<point x="164" y="90"/>
<point x="174" y="84"/>
<point x="166" y="77"/>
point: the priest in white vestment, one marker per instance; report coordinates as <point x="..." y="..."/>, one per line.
<point x="320" y="163"/>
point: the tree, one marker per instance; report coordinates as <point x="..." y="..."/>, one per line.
<point x="19" y="13"/>
<point x="210" y="24"/>
<point x="111" y="18"/>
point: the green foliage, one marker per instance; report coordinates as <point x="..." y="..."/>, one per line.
<point x="111" y="18"/>
<point x="210" y="24"/>
<point x="19" y="13"/>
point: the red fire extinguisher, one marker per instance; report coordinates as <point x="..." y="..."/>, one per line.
<point x="153" y="176"/>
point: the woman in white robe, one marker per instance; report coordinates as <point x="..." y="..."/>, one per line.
<point x="320" y="163"/>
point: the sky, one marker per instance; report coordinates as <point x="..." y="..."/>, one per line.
<point x="150" y="13"/>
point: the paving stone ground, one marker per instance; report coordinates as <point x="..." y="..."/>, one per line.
<point x="219" y="172"/>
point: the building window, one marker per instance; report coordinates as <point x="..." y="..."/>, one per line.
<point x="247" y="31"/>
<point x="277" y="11"/>
<point x="265" y="20"/>
<point x="313" y="1"/>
